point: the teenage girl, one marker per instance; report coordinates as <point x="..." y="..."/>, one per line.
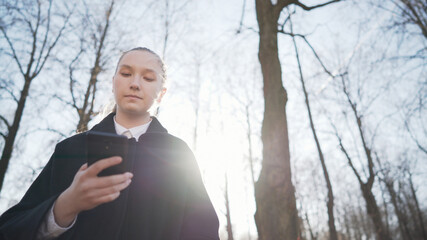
<point x="160" y="196"/>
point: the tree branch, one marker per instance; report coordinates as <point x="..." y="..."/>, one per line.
<point x="414" y="138"/>
<point x="37" y="71"/>
<point x="282" y="26"/>
<point x="48" y="129"/>
<point x="310" y="46"/>
<point x="416" y="18"/>
<point x="92" y="101"/>
<point x="65" y="101"/>
<point x="15" y="57"/>
<point x="282" y="4"/>
<point x="72" y="81"/>
<point x="241" y="17"/>
<point x="34" y="46"/>
<point x="344" y="150"/>
<point x="305" y="7"/>
<point x="5" y="88"/>
<point x="5" y="121"/>
<point x="45" y="36"/>
<point x="367" y="149"/>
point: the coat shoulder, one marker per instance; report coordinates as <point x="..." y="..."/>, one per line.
<point x="178" y="142"/>
<point x="72" y="143"/>
<point x="164" y="140"/>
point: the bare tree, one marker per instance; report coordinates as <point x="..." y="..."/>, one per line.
<point x="276" y="216"/>
<point x="347" y="225"/>
<point x="385" y="207"/>
<point x="170" y="15"/>
<point x="228" y="211"/>
<point x="35" y="21"/>
<point x="408" y="21"/>
<point x="411" y="12"/>
<point x="245" y="99"/>
<point x="195" y="93"/>
<point x="398" y="209"/>
<point x="86" y="111"/>
<point x="330" y="201"/>
<point x="93" y="36"/>
<point x="310" y="229"/>
<point x="365" y="186"/>
<point x="412" y="113"/>
<point x="245" y="90"/>
<point x="357" y="223"/>
<point x="417" y="205"/>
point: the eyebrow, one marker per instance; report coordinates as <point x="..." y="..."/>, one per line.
<point x="145" y="70"/>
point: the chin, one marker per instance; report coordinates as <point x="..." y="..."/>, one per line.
<point x="131" y="109"/>
<point x="136" y="112"/>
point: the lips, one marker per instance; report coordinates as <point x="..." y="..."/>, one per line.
<point x="133" y="96"/>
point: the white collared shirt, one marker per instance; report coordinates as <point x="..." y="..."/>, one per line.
<point x="135" y="132"/>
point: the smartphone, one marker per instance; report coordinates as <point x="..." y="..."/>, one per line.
<point x="102" y="145"/>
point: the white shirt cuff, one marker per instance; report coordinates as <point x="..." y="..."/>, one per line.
<point x="49" y="228"/>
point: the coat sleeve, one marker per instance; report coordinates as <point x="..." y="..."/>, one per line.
<point x="200" y="219"/>
<point x="23" y="220"/>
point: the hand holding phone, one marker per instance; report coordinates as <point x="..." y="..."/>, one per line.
<point x="88" y="190"/>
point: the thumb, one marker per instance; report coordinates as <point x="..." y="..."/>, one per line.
<point x="83" y="167"/>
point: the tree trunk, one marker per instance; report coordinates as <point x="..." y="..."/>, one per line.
<point x="387" y="224"/>
<point x="347" y="226"/>
<point x="366" y="187"/>
<point x="403" y="226"/>
<point x="417" y="205"/>
<point x="13" y="130"/>
<point x="86" y="111"/>
<point x="310" y="229"/>
<point x="41" y="47"/>
<point x="374" y="213"/>
<point x="249" y="137"/>
<point x="357" y="224"/>
<point x="196" y="102"/>
<point x="400" y="216"/>
<point x="330" y="202"/>
<point x="276" y="216"/>
<point x="228" y="214"/>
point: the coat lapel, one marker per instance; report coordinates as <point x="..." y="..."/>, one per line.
<point x="106" y="125"/>
<point x="156" y="127"/>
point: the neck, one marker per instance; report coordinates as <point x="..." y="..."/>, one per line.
<point x="130" y="121"/>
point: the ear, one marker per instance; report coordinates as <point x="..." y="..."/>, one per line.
<point x="161" y="94"/>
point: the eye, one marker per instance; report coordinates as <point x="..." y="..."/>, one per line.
<point x="149" y="78"/>
<point x="125" y="74"/>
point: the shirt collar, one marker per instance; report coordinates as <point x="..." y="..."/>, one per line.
<point x="136" y="132"/>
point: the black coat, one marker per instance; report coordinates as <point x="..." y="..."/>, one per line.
<point x="166" y="199"/>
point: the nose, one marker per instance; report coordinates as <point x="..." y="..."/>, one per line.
<point x="135" y="83"/>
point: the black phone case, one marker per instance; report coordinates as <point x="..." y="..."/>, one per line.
<point x="102" y="145"/>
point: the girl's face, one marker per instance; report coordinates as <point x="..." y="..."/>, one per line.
<point x="137" y="83"/>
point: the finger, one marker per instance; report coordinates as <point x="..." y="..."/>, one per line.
<point x="83" y="167"/>
<point x="108" y="181"/>
<point x="102" y="164"/>
<point x="98" y="193"/>
<point x="108" y="198"/>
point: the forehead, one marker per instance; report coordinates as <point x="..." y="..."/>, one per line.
<point x="141" y="60"/>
